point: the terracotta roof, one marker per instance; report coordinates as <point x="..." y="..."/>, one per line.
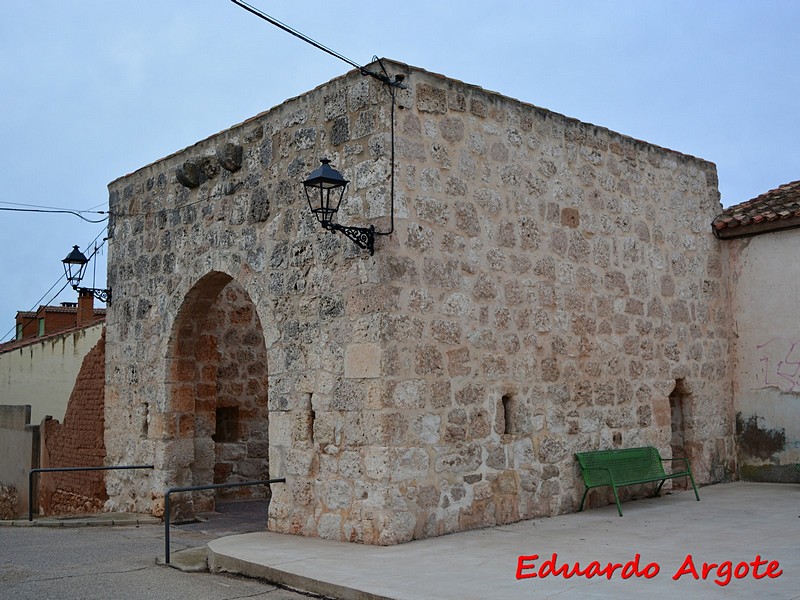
<point x="775" y="210"/>
<point x="60" y="309"/>
<point x="15" y="344"/>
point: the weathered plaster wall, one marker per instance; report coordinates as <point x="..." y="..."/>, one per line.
<point x="43" y="373"/>
<point x="18" y="454"/>
<point x="548" y="286"/>
<point x="765" y="283"/>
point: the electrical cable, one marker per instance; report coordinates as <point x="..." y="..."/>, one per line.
<point x="64" y="211"/>
<point x="364" y="71"/>
<point x="54" y="207"/>
<point x="36" y="305"/>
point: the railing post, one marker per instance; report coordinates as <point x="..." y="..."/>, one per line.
<point x="166" y="526"/>
<point x="197" y="488"/>
<point x="30" y="493"/>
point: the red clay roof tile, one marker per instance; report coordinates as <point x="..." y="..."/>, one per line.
<point x="774" y="210"/>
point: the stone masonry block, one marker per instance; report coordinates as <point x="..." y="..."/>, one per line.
<point x="362" y="361"/>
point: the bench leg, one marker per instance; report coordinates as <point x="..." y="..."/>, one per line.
<point x="694" y="487"/>
<point x="583" y="499"/>
<point x="691" y="478"/>
<point x="616" y="499"/>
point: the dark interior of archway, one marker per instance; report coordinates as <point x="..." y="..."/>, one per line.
<point x="220" y="387"/>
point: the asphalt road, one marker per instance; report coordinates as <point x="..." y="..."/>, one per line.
<point x="112" y="563"/>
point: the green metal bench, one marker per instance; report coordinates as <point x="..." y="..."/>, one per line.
<point x="628" y="466"/>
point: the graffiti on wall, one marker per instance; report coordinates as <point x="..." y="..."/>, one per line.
<point x="780" y="364"/>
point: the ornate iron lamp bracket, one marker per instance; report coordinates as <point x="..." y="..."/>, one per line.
<point x="363" y="237"/>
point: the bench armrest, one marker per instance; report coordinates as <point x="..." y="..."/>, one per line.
<point x="602" y="469"/>
<point x="679" y="459"/>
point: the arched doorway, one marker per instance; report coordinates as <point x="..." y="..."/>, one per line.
<point x="217" y="394"/>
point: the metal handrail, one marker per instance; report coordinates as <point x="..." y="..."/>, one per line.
<point x="196" y="488"/>
<point x="32" y="472"/>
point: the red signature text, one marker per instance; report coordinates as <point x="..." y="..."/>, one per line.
<point x="726" y="570"/>
<point x="528" y="567"/>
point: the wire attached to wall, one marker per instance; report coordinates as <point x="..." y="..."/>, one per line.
<point x="383" y="77"/>
<point x="36" y="305"/>
<point x="391" y="83"/>
<point x="61" y="211"/>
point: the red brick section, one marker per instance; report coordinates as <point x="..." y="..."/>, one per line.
<point x="77" y="442"/>
<point x="58" y="318"/>
<point x="775" y="210"/>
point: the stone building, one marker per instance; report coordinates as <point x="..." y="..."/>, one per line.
<point x="550" y="286"/>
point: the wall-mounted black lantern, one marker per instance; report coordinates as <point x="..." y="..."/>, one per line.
<point x="324" y="192"/>
<point x="325" y="186"/>
<point x="75" y="268"/>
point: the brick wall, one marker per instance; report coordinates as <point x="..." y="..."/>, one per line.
<point x="77" y="442"/>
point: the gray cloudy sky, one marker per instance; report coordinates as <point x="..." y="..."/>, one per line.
<point x="93" y="89"/>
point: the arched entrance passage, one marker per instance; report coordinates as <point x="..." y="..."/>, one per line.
<point x="217" y="394"/>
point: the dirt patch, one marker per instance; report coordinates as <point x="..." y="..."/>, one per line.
<point x="757" y="442"/>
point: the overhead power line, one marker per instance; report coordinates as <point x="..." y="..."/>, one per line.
<point x="54" y="296"/>
<point x="364" y="71"/>
<point x="77" y="213"/>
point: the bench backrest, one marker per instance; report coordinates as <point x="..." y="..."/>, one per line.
<point x="628" y="464"/>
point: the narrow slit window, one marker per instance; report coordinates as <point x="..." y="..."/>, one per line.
<point x="508" y="415"/>
<point x="227" y="426"/>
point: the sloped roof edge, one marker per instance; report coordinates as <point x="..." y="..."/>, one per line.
<point x="775" y="210"/>
<point x="17" y="344"/>
<point x="410" y="69"/>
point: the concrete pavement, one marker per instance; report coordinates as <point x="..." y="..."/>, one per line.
<point x="751" y="525"/>
<point x="112" y="563"/>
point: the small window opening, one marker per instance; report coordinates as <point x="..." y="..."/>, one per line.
<point x="145" y="421"/>
<point x="311" y="416"/>
<point x="676" y="404"/>
<point x="227" y="427"/>
<point x="508" y="415"/>
<point x="678" y="401"/>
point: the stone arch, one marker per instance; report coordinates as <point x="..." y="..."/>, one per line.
<point x="216" y="395"/>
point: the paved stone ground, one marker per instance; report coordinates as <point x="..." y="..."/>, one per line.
<point x="733" y="523"/>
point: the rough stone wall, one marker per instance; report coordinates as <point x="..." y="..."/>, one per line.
<point x="231" y="210"/>
<point x="9" y="504"/>
<point x="555" y="283"/>
<point x="548" y="286"/>
<point x="77" y="442"/>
